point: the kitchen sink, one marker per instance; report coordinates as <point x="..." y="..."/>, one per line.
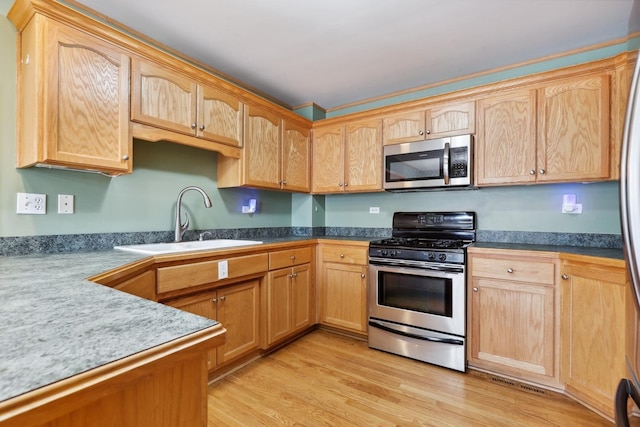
<point x="166" y="248"/>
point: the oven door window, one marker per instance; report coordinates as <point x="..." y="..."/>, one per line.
<point x="414" y="166"/>
<point x="425" y="294"/>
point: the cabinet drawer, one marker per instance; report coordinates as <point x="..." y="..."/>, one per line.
<point x="529" y="270"/>
<point x="189" y="275"/>
<point x="345" y="254"/>
<point x="289" y="257"/>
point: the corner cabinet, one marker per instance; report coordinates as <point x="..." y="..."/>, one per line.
<point x="342" y="292"/>
<point x="276" y="154"/>
<point x="599" y="322"/>
<point x="436" y="121"/>
<point x="558" y="132"/>
<point x="73" y="100"/>
<point x="513" y="311"/>
<point x="347" y="158"/>
<point x="176" y="102"/>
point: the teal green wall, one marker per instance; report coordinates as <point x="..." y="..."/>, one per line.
<point x="145" y="200"/>
<point x="524" y="208"/>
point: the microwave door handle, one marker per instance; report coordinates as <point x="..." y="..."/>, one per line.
<point x="445" y="165"/>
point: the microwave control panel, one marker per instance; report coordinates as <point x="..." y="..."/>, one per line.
<point x="459" y="162"/>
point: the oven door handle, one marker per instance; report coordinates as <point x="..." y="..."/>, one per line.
<point x="378" y="325"/>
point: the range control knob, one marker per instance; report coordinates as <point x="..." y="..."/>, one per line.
<point x="393" y="253"/>
<point x="384" y="252"/>
<point x="442" y="257"/>
<point x="431" y="256"/>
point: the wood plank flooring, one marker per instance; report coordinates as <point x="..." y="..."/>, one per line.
<point x="325" y="379"/>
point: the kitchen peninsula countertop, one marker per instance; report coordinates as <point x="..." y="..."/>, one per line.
<point x="56" y="324"/>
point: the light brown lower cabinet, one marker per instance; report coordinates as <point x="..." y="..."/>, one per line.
<point x="236" y="307"/>
<point x="599" y="324"/>
<point x="343" y="287"/>
<point x="513" y="304"/>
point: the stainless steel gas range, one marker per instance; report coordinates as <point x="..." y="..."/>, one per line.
<point x="417" y="288"/>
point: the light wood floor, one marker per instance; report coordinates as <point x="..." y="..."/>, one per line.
<point x="325" y="379"/>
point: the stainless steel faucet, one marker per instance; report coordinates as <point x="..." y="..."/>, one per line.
<point x="180" y="227"/>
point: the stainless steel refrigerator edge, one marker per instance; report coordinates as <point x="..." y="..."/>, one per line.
<point x="630" y="220"/>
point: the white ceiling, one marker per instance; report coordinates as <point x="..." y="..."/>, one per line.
<point x="335" y="52"/>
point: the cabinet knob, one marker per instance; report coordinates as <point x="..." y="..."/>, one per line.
<point x="428" y="132"/>
<point x="194" y="125"/>
<point x="341" y="255"/>
<point x="215" y="300"/>
<point x="201" y="127"/>
<point x="223" y="297"/>
<point x="284" y="182"/>
<point x="542" y="171"/>
<point x="125" y="157"/>
<point x="290" y="276"/>
<point x="346" y="183"/>
<point x="532" y="172"/>
<point x="362" y="275"/>
<point x="294" y="275"/>
<point x="475" y="289"/>
<point x="293" y="257"/>
<point x="339" y="184"/>
<point x="509" y="270"/>
<point x="565" y="277"/>
<point x="421" y="132"/>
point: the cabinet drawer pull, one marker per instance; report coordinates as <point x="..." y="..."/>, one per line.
<point x="293" y="257"/>
<point x="509" y="270"/>
<point x="475" y="289"/>
<point x="565" y="277"/>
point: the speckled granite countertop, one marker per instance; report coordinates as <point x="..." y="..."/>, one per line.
<point x="576" y="250"/>
<point x="54" y="324"/>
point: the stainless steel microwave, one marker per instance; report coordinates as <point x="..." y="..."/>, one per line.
<point x="429" y="164"/>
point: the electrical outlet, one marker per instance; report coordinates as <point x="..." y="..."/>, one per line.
<point x="32" y="204"/>
<point x="223" y="269"/>
<point x="374" y="210"/>
<point x="65" y="203"/>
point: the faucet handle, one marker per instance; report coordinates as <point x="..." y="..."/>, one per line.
<point x="204" y="234"/>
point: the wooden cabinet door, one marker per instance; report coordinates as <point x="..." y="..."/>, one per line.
<point x="85" y="101"/>
<point x="573" y="135"/>
<point x="506" y="140"/>
<point x="296" y="158"/>
<point x="328" y="160"/>
<point x="302" y="298"/>
<point x="363" y="156"/>
<point x="343" y="296"/>
<point x="404" y="127"/>
<point x="261" y="148"/>
<point x="594" y="332"/>
<point x="450" y="119"/>
<point x="238" y="311"/>
<point x="279" y="304"/>
<point x="202" y="304"/>
<point x="219" y="116"/>
<point x="163" y="98"/>
<point x="512" y="327"/>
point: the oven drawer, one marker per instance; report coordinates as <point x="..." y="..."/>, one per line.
<point x="345" y="254"/>
<point x="518" y="270"/>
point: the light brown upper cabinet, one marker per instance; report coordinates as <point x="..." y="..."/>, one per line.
<point x="166" y="99"/>
<point x="434" y="122"/>
<point x="553" y="133"/>
<point x="347" y="158"/>
<point x="73" y="103"/>
<point x="275" y="155"/>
